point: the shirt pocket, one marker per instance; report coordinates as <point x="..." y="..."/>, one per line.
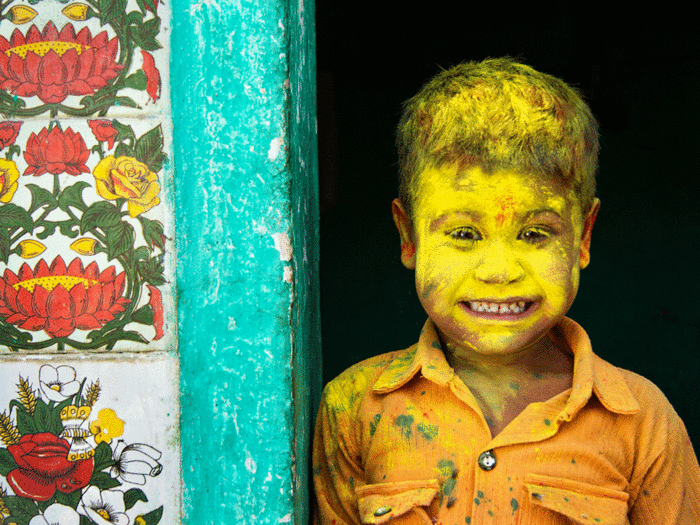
<point x="398" y="502"/>
<point x="581" y="503"/>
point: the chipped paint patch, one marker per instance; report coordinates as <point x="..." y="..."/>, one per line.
<point x="275" y="147"/>
<point x="288" y="274"/>
<point x="283" y="245"/>
<point x="285" y="519"/>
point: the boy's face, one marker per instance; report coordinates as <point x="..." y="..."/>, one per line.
<point x="497" y="256"/>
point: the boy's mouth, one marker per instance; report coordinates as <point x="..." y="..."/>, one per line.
<point x="499" y="308"/>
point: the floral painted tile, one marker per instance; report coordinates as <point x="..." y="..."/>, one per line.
<point x="92" y="58"/>
<point x="89" y="442"/>
<point x="85" y="235"/>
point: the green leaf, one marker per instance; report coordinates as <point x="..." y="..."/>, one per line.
<point x="21" y="509"/>
<point x="103" y="456"/>
<point x="131" y="496"/>
<point x="123" y="150"/>
<point x="120" y="239"/>
<point x="143" y="315"/>
<point x="144" y="34"/>
<point x="7" y="462"/>
<point x="13" y="216"/>
<point x="112" y="10"/>
<point x="25" y="423"/>
<point x="103" y="481"/>
<point x="49" y="227"/>
<point x="153" y="517"/>
<point x="153" y="233"/>
<point x="151" y="271"/>
<point x="124" y="132"/>
<point x="101" y="214"/>
<point x="41" y="197"/>
<point x="136" y="81"/>
<point x="4" y="245"/>
<point x="149" y="147"/>
<point x="47" y="419"/>
<point x="69" y="228"/>
<point x="73" y="196"/>
<point x="125" y="101"/>
<point x="70" y="500"/>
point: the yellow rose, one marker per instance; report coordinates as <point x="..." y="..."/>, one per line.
<point x="128" y="178"/>
<point x="8" y="180"/>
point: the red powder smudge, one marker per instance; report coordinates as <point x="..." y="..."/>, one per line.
<point x="506" y="204"/>
<point x="408" y="249"/>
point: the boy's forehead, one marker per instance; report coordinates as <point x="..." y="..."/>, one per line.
<point x="504" y="188"/>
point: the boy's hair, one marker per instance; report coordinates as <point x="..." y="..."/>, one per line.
<point x="498" y="114"/>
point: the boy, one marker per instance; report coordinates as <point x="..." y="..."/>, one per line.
<point x="501" y="413"/>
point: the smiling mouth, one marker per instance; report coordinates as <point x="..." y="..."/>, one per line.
<point x="499" y="308"/>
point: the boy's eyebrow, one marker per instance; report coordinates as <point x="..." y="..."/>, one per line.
<point x="439" y="221"/>
<point x="474" y="216"/>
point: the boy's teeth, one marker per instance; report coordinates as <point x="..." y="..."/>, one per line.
<point x="498" y="308"/>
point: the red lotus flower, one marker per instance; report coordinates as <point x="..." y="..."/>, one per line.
<point x="44" y="467"/>
<point x="56" y="152"/>
<point x="152" y="76"/>
<point x="58" y="300"/>
<point x="53" y="65"/>
<point x="8" y="133"/>
<point x="104" y="131"/>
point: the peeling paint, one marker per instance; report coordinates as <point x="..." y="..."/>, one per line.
<point x="275" y="147"/>
<point x="283" y="245"/>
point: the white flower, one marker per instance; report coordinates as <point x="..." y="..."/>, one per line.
<point x="134" y="462"/>
<point x="57" y="514"/>
<point x="58" y="384"/>
<point x="104" y="507"/>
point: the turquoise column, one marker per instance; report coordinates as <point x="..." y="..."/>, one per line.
<point x="243" y="104"/>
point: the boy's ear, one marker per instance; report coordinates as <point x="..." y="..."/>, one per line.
<point x="585" y="253"/>
<point x="403" y="224"/>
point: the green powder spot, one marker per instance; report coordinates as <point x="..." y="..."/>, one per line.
<point x="596" y="519"/>
<point x="429" y="431"/>
<point x="514" y="386"/>
<point x="477" y="501"/>
<point x="537" y="375"/>
<point x="405" y="422"/>
<point x="373" y="424"/>
<point x="422" y="393"/>
<point x="468" y="520"/>
<point x="480" y="494"/>
<point x="514" y="504"/>
<point x="351" y="480"/>
<point x="491" y="513"/>
<point x="573" y="461"/>
<point x="566" y="499"/>
<point x="435" y="344"/>
<point x="448" y="486"/>
<point x="547" y="422"/>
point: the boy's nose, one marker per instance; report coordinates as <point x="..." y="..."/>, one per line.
<point x="498" y="265"/>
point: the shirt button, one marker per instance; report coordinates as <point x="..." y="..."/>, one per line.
<point x="487" y="460"/>
<point x="382" y="510"/>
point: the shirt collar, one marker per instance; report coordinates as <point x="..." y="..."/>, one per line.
<point x="591" y="374"/>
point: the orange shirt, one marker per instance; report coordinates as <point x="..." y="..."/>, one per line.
<point x="400" y="439"/>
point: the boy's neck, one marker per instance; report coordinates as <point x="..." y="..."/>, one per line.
<point x="503" y="386"/>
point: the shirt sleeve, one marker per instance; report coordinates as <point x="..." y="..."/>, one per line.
<point x="669" y="491"/>
<point x="336" y="460"/>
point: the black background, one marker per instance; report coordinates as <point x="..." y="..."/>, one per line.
<point x="639" y="299"/>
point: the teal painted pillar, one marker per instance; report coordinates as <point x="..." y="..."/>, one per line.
<point x="243" y="105"/>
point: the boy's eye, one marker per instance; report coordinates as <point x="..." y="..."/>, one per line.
<point x="535" y="235"/>
<point x="465" y="234"/>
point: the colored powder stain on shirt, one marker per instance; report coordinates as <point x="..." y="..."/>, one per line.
<point x="468" y="520"/>
<point x="514" y="504"/>
<point x="514" y="386"/>
<point x="427" y="430"/>
<point x="436" y="344"/>
<point x="373" y="424"/>
<point x="491" y="513"/>
<point x="480" y="494"/>
<point x="405" y="422"/>
<point x="547" y="422"/>
<point x="477" y="501"/>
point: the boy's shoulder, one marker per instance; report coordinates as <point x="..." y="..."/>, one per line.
<point x="364" y="374"/>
